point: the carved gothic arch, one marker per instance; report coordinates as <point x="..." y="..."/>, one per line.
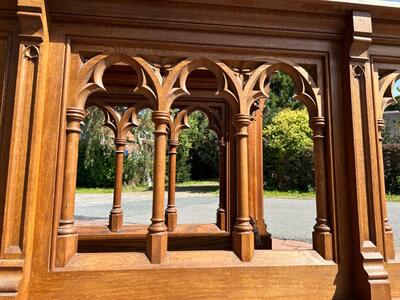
<point x="306" y="90"/>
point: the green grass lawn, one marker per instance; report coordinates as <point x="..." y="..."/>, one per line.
<point x="210" y="186"/>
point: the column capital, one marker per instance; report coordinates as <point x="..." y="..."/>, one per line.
<point x="161" y="117"/>
<point x="75" y="114"/>
<point x="173" y="143"/>
<point x="241" y="120"/>
<point x="119" y="142"/>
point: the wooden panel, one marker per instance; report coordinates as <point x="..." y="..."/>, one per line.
<point x="221" y="276"/>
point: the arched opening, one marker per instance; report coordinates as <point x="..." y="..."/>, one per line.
<point x="198" y="136"/>
<point x="117" y="197"/>
<point x="288" y="167"/>
<point x="197" y="172"/>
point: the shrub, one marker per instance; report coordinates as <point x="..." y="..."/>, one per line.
<point x="391" y="157"/>
<point x="288" y="152"/>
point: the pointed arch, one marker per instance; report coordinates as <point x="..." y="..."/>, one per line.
<point x="229" y="87"/>
<point x="386" y="91"/>
<point x="306" y="91"/>
<point x="90" y="77"/>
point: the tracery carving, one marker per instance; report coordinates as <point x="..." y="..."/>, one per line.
<point x="31" y="52"/>
<point x="163" y="83"/>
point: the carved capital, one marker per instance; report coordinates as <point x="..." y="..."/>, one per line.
<point x="241" y="120"/>
<point x="361" y="35"/>
<point x="161" y="117"/>
<point x="30" y="24"/>
<point x="75" y="114"/>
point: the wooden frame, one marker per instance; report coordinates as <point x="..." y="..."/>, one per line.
<point x="343" y="58"/>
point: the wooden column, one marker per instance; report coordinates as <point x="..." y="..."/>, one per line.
<point x="171" y="212"/>
<point x="389" y="251"/>
<point x="116" y="214"/>
<point x="67" y="239"/>
<point x="242" y="236"/>
<point x="371" y="277"/>
<point x="221" y="211"/>
<point x="322" y="237"/>
<point x="156" y="242"/>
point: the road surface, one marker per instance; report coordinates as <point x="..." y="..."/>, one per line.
<point x="285" y="218"/>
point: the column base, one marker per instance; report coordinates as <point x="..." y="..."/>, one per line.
<point x="67" y="246"/>
<point x="322" y="243"/>
<point x="221" y="220"/>
<point x="171" y="220"/>
<point x="243" y="245"/>
<point x="389" y="245"/>
<point x="374" y="283"/>
<point x="115" y="222"/>
<point x="156" y="246"/>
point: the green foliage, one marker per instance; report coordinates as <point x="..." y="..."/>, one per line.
<point x="138" y="165"/>
<point x="96" y="153"/>
<point x="96" y="162"/>
<point x="391" y="155"/>
<point x="288" y="153"/>
<point x="197" y="156"/>
<point x="280" y="96"/>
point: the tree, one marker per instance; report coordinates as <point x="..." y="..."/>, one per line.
<point x="280" y="96"/>
<point x="96" y="152"/>
<point x="197" y="151"/>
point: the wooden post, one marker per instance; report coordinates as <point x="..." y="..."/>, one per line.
<point x="322" y="237"/>
<point x="157" y="239"/>
<point x="372" y="279"/>
<point x="221" y="211"/>
<point x="242" y="236"/>
<point x="116" y="214"/>
<point x="67" y="239"/>
<point x="120" y="125"/>
<point x="171" y="212"/>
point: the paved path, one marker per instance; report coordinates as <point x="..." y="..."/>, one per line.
<point x="286" y="218"/>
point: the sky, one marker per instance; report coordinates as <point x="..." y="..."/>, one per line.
<point x="397" y="93"/>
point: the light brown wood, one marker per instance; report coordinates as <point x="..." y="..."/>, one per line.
<point x="217" y="57"/>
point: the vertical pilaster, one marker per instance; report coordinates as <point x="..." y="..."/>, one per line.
<point x="242" y="236"/>
<point x="22" y="174"/>
<point x="157" y="238"/>
<point x="371" y="278"/>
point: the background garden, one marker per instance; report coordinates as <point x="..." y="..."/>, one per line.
<point x="288" y="152"/>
